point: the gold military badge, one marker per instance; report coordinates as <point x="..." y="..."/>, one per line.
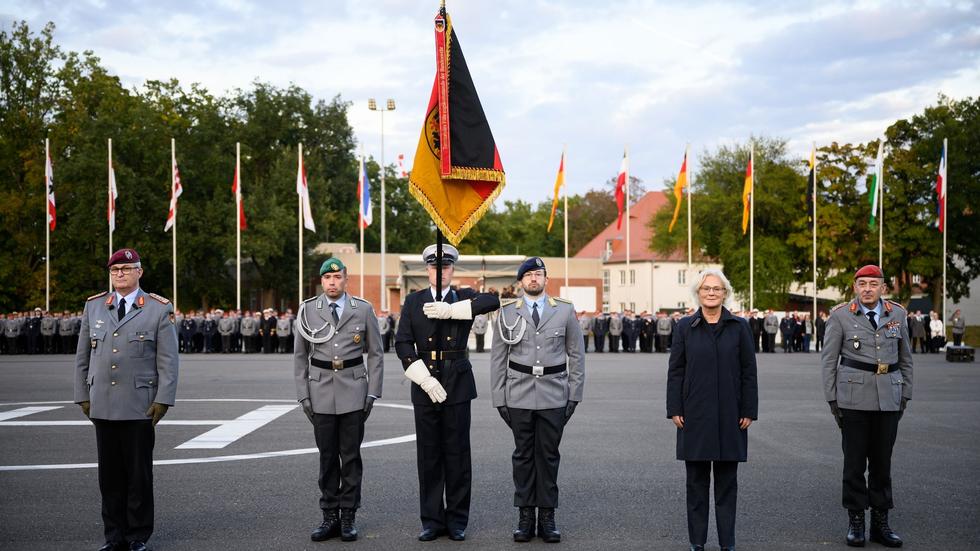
<point x="357" y="338"/>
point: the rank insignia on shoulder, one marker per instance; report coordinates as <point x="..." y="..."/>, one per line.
<point x="158" y="298"/>
<point x="507" y="301"/>
<point x="93" y="297"/>
<point x="838" y="307"/>
<point x="563" y="299"/>
<point x="552" y="302"/>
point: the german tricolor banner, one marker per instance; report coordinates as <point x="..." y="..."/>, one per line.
<point x="457" y="171"/>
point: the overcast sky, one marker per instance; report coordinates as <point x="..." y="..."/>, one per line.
<point x="595" y="76"/>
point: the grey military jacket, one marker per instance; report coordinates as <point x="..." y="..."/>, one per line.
<point x="383" y="324"/>
<point x="66" y="326"/>
<point x="284" y="325"/>
<point x="480" y="323"/>
<point x="122" y="366"/>
<point x="336" y="391"/>
<point x="664" y="326"/>
<point x="850" y="335"/>
<point x="249" y="326"/>
<point x="616" y="325"/>
<point x="12" y="328"/>
<point x="556" y="340"/>
<point x="226" y="326"/>
<point x="585" y="324"/>
<point x="49" y="326"/>
<point x="771" y="324"/>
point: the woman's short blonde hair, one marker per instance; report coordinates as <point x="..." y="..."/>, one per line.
<point x="698" y="281"/>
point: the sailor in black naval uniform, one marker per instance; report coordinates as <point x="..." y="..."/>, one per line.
<point x="442" y="392"/>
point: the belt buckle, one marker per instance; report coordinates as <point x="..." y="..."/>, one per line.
<point x="537" y="370"/>
<point x="434" y="355"/>
<point x="882" y="369"/>
<point x="338" y="365"/>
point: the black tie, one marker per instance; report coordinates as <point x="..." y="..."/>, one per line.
<point x="534" y="314"/>
<point x="122" y="308"/>
<point x="333" y="313"/>
<point x="871" y="318"/>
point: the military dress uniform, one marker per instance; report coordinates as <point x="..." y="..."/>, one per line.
<point x="537" y="375"/>
<point x="337" y="389"/>
<point x="480" y="325"/>
<point x="443" y="427"/>
<point x="284" y="330"/>
<point x="867" y="378"/>
<point x="249" y="327"/>
<point x="124" y="364"/>
<point x="384" y="325"/>
<point x="49" y="326"/>
<point x="615" y="331"/>
<point x="226" y="328"/>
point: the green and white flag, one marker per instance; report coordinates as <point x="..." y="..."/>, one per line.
<point x="874" y="183"/>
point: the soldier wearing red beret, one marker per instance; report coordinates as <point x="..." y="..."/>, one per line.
<point x="867" y="376"/>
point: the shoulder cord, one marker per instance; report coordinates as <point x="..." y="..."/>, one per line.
<point x="502" y="324"/>
<point x="307" y="332"/>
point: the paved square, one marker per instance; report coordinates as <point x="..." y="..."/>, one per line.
<point x="252" y="484"/>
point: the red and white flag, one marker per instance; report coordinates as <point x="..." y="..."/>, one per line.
<point x="113" y="195"/>
<point x="175" y="190"/>
<point x="621" y="183"/>
<point x="401" y="165"/>
<point x="49" y="185"/>
<point x="236" y="189"/>
<point x="941" y="189"/>
<point x="304" y="194"/>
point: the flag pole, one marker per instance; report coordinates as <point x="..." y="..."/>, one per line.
<point x="881" y="215"/>
<point x="814" y="319"/>
<point x="173" y="189"/>
<point x="47" y="229"/>
<point x="689" y="173"/>
<point x="299" y="224"/>
<point x="113" y="208"/>
<point x="238" y="226"/>
<point x="384" y="272"/>
<point x="564" y="150"/>
<point x="752" y="230"/>
<point x="627" y="185"/>
<point x="945" y="222"/>
<point x="360" y="220"/>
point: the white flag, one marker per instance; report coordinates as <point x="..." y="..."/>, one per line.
<point x="304" y="195"/>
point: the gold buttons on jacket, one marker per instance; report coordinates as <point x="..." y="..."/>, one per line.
<point x="115" y="334"/>
<point x="114" y="366"/>
<point x="115" y="350"/>
<point x="113" y="383"/>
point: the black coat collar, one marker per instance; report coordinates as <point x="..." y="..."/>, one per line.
<point x="725" y="317"/>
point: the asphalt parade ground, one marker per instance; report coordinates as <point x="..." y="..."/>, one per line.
<point x="236" y="465"/>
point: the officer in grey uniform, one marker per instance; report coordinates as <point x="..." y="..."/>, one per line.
<point x="771" y="326"/>
<point x="585" y="326"/>
<point x="11" y="330"/>
<point x="337" y="390"/>
<point x="867" y="379"/>
<point x="384" y="325"/>
<point x="249" y="328"/>
<point x="480" y="324"/>
<point x="66" y="328"/>
<point x="226" y="328"/>
<point x="49" y="327"/>
<point x="615" y="330"/>
<point x="664" y="329"/>
<point x="125" y="380"/>
<point x="284" y="330"/>
<point x="537" y="374"/>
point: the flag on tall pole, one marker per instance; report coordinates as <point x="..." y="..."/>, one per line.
<point x="564" y="219"/>
<point x="747" y="192"/>
<point x="621" y="187"/>
<point x="942" y="183"/>
<point x="874" y="184"/>
<point x="236" y="189"/>
<point x="457" y="172"/>
<point x="364" y="215"/>
<point x="812" y="200"/>
<point x="175" y="190"/>
<point x="559" y="182"/>
<point x="689" y="179"/>
<point x="51" y="222"/>
<point x="679" y="188"/>
<point x="303" y="191"/>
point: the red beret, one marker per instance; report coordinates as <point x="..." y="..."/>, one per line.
<point x="123" y="256"/>
<point x="870" y="271"/>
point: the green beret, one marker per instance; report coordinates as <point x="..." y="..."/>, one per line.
<point x="332" y="265"/>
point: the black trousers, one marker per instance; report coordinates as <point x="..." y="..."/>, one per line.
<point x="957" y="339"/>
<point x="226" y="343"/>
<point x="339" y="437"/>
<point x="613" y="343"/>
<point x="726" y="494"/>
<point x="445" y="471"/>
<point x="867" y="439"/>
<point x="586" y="342"/>
<point x="386" y="341"/>
<point x="600" y="342"/>
<point x="480" y="339"/>
<point x="537" y="435"/>
<point x="126" y="478"/>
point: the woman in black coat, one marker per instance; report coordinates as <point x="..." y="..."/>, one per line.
<point x="712" y="397"/>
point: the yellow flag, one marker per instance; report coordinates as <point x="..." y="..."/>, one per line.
<point x="559" y="182"/>
<point x="679" y="192"/>
<point x="747" y="194"/>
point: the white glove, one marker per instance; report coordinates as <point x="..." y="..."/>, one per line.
<point x="418" y="373"/>
<point x="461" y="310"/>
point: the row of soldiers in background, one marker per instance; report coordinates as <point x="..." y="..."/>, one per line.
<point x="629" y="330"/>
<point x="39" y="332"/>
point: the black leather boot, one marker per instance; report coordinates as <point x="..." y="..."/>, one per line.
<point x="546" y="525"/>
<point x="525" y="525"/>
<point x="348" y="532"/>
<point x="329" y="528"/>
<point x="855" y="528"/>
<point x="881" y="532"/>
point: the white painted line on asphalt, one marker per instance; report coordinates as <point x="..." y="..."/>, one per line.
<point x="265" y="400"/>
<point x="189" y="422"/>
<point x="21" y="412"/>
<point x="219" y="437"/>
<point x="217" y="459"/>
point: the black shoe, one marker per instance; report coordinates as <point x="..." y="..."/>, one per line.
<point x="697" y="548"/>
<point x="881" y="532"/>
<point x="348" y="532"/>
<point x="137" y="546"/>
<point x="429" y="534"/>
<point x="329" y="528"/>
<point x="546" y="525"/>
<point x="729" y="548"/>
<point x="855" y="528"/>
<point x="114" y="546"/>
<point x="525" y="525"/>
<point x="457" y="535"/>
